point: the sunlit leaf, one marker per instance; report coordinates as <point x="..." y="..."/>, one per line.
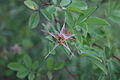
<point x="31" y="4"/>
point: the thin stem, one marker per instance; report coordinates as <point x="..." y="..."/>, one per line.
<point x="51" y="50"/>
<point x="47" y="54"/>
<point x="116" y="57"/>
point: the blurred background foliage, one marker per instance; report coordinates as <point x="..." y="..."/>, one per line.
<point x="18" y="40"/>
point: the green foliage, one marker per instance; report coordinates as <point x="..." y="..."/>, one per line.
<point x="50" y="63"/>
<point x="96" y="21"/>
<point x="91" y="55"/>
<point x="100" y="65"/>
<point x="65" y="2"/>
<point x="31" y="76"/>
<point x="22" y="73"/>
<point x="95" y="45"/>
<point x="46" y="14"/>
<point x="35" y="65"/>
<point x="31" y="4"/>
<point x="54" y="66"/>
<point x="75" y="9"/>
<point x="54" y="1"/>
<point x="26" y="69"/>
<point x="69" y="19"/>
<point x="49" y="75"/>
<point x="79" y="4"/>
<point x="115" y="16"/>
<point x="59" y="65"/>
<point x="51" y="9"/>
<point x="34" y="20"/>
<point x="87" y="13"/>
<point x="27" y="61"/>
<point x="15" y="66"/>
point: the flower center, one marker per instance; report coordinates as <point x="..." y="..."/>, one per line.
<point x="61" y="39"/>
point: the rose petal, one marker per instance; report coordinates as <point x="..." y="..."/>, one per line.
<point x="67" y="36"/>
<point x="66" y="46"/>
<point x="63" y="29"/>
<point x="54" y="35"/>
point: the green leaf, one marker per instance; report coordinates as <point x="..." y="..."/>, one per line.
<point x="75" y="9"/>
<point x="116" y="12"/>
<point x="115" y="19"/>
<point x="31" y="76"/>
<point x="84" y="27"/>
<point x="66" y="51"/>
<point x="113" y="50"/>
<point x="27" y="61"/>
<point x="92" y="56"/>
<point x="58" y="26"/>
<point x="34" y="20"/>
<point x="51" y="9"/>
<point x="35" y="65"/>
<point x="87" y="13"/>
<point x="47" y="15"/>
<point x="15" y="66"/>
<point x="69" y="19"/>
<point x="65" y="2"/>
<point x="31" y="4"/>
<point x="22" y="73"/>
<point x="96" y="21"/>
<point x="49" y="75"/>
<point x="54" y="1"/>
<point x="50" y="63"/>
<point x="79" y="4"/>
<point x="107" y="51"/>
<point x="100" y="65"/>
<point x="117" y="4"/>
<point x="101" y="77"/>
<point x="115" y="16"/>
<point x="50" y="38"/>
<point x="59" y="65"/>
